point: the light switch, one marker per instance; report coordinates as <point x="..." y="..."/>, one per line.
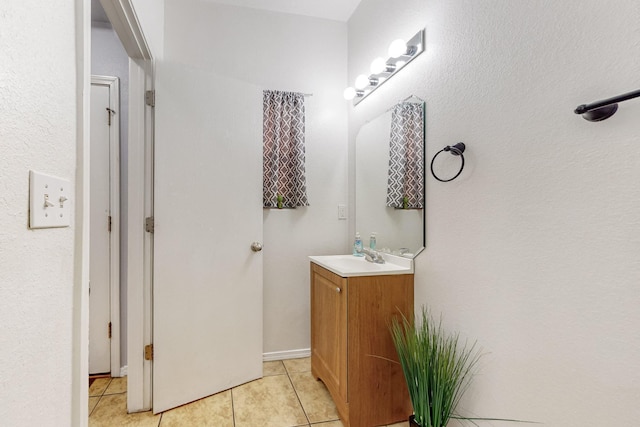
<point x="342" y="211"/>
<point x="49" y="204"/>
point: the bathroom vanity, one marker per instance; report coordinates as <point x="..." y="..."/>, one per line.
<point x="352" y="304"/>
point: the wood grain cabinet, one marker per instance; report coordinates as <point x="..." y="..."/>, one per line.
<point x="351" y="347"/>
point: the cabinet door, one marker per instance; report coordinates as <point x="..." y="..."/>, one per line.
<point x="378" y="393"/>
<point x="329" y="329"/>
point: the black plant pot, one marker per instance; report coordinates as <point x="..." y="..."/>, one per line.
<point x="413" y="422"/>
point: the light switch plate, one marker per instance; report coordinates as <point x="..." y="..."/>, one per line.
<point x="49" y="201"/>
<point x="342" y="211"/>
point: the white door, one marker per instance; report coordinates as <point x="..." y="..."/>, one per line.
<point x="207" y="291"/>
<point x="102" y="271"/>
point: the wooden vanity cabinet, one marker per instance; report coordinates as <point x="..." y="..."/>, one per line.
<point x="351" y="346"/>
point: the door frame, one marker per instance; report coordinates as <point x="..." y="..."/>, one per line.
<point x="114" y="211"/>
<point x="125" y="23"/>
<point x="80" y="350"/>
<point x="140" y="243"/>
<point x="141" y="78"/>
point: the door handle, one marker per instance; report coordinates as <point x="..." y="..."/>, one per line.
<point x="256" y="246"/>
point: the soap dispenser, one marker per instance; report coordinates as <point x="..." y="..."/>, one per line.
<point x="357" y="246"/>
<point x="372" y="241"/>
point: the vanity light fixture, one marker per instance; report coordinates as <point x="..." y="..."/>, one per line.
<point x="349" y="93"/>
<point x="362" y="81"/>
<point x="397" y="48"/>
<point x="378" y="65"/>
<point x="400" y="54"/>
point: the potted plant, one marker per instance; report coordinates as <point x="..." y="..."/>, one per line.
<point x="436" y="366"/>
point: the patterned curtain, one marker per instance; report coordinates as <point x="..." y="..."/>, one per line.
<point x="283" y="172"/>
<point x="405" y="187"/>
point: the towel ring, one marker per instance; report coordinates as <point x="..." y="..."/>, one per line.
<point x="456" y="150"/>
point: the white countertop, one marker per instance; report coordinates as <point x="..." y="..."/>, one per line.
<point x="352" y="266"/>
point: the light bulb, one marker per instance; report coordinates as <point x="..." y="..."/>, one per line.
<point x="400" y="64"/>
<point x="378" y="65"/>
<point x="397" y="48"/>
<point x="349" y="93"/>
<point x="362" y="81"/>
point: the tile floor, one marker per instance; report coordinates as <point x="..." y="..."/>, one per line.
<point x="287" y="396"/>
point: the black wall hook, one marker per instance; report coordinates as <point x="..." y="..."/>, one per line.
<point x="456" y="150"/>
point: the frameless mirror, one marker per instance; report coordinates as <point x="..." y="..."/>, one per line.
<point x="399" y="225"/>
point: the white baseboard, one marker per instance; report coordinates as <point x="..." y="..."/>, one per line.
<point x="123" y="371"/>
<point x="288" y="354"/>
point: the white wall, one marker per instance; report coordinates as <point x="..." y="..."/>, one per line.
<point x="37" y="131"/>
<point x="108" y="58"/>
<point x="269" y="50"/>
<point x="533" y="251"/>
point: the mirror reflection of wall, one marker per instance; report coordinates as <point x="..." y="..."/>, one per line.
<point x="398" y="230"/>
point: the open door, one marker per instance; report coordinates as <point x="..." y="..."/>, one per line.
<point x="104" y="252"/>
<point x="207" y="292"/>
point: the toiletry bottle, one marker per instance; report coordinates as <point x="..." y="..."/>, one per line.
<point x="357" y="246"/>
<point x="372" y="241"/>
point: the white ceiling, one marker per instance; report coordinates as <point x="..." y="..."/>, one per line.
<point x="338" y="10"/>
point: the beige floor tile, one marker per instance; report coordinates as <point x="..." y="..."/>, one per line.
<point x="112" y="411"/>
<point x="403" y="424"/>
<point x="99" y="386"/>
<point x="117" y="385"/>
<point x="329" y="424"/>
<point x="212" y="411"/>
<point x="298" y="365"/>
<point x="273" y="368"/>
<point x="268" y="402"/>
<point x="93" y="401"/>
<point x="315" y="397"/>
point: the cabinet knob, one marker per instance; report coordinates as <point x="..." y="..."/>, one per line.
<point x="338" y="289"/>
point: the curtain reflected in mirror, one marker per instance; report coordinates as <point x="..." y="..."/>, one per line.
<point x="390" y="180"/>
<point x="405" y="186"/>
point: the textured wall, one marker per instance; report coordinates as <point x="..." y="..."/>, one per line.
<point x="267" y="50"/>
<point x="533" y="251"/>
<point x="108" y="58"/>
<point x="37" y="131"/>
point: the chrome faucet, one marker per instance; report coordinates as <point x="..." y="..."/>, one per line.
<point x="372" y="256"/>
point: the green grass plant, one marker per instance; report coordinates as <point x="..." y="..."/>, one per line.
<point x="437" y="367"/>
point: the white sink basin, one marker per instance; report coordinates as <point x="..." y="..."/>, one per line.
<point x="350" y="266"/>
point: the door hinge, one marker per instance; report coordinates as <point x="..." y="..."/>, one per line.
<point x="109" y="224"/>
<point x="109" y="330"/>
<point x="150" y="98"/>
<point x="149" y="224"/>
<point x="148" y="352"/>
